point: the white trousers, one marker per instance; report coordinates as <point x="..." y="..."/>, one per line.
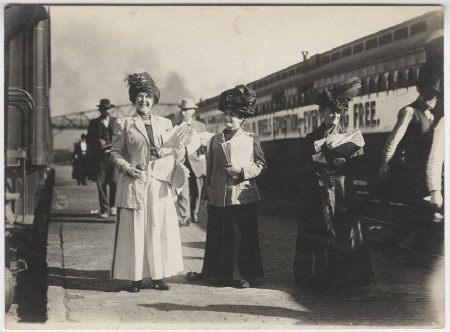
<point x="147" y="242"/>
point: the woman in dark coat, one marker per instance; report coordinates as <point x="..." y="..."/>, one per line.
<point x="330" y="246"/>
<point x="234" y="160"/>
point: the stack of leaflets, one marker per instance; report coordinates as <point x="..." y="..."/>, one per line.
<point x="346" y="146"/>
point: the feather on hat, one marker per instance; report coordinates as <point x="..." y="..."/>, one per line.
<point x="340" y="95"/>
<point x="239" y="99"/>
<point x="142" y="82"/>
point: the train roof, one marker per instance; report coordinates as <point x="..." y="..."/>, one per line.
<point x="399" y="39"/>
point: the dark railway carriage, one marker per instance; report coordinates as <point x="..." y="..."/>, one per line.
<point x="28" y="139"/>
<point x="388" y="63"/>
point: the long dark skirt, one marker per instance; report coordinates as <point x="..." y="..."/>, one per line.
<point x="331" y="249"/>
<point x="232" y="248"/>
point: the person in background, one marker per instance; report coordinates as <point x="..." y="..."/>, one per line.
<point x="190" y="197"/>
<point x="80" y="162"/>
<point x="234" y="160"/>
<point x="147" y="240"/>
<point x="407" y="150"/>
<point x="330" y="250"/>
<point x="99" y="135"/>
<point x="435" y="163"/>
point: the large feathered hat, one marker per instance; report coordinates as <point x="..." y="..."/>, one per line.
<point x="239" y="99"/>
<point x="142" y="82"/>
<point x="340" y="95"/>
<point x="432" y="77"/>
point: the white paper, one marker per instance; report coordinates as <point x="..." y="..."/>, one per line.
<point x="194" y="144"/>
<point x="170" y="139"/>
<point x="162" y="168"/>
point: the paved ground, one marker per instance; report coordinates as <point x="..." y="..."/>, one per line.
<point x="80" y="293"/>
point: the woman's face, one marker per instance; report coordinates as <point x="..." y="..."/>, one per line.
<point x="144" y="102"/>
<point x="428" y="97"/>
<point x="232" y="120"/>
<point x="330" y="116"/>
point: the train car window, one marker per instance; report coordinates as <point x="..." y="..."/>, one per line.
<point x="335" y="56"/>
<point x="382" y="84"/>
<point x="277" y="78"/>
<point x="284" y="75"/>
<point x="324" y="59"/>
<point x="373" y="86"/>
<point x="401" y="33"/>
<point x="391" y="81"/>
<point x="358" y="48"/>
<point x="298" y="70"/>
<point x="371" y="43"/>
<point x="412" y="76"/>
<point x="401" y="79"/>
<point x="364" y="86"/>
<point x="346" y="52"/>
<point x="385" y="39"/>
<point x="418" y="27"/>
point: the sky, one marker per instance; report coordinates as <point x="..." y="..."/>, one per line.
<point x="193" y="51"/>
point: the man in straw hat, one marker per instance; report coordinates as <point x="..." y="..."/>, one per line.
<point x="99" y="135"/>
<point x="190" y="197"/>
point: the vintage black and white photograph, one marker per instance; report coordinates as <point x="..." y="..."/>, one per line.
<point x="233" y="166"/>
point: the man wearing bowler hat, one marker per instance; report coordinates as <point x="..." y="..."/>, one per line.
<point x="99" y="135"/>
<point x="190" y="197"/>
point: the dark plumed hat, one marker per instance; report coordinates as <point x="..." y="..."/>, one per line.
<point x="239" y="99"/>
<point x="340" y="94"/>
<point x="142" y="82"/>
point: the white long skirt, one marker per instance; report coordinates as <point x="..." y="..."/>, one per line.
<point x="147" y="242"/>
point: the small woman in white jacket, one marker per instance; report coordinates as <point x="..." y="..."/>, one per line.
<point x="147" y="239"/>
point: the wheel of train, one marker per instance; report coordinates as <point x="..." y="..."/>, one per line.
<point x="10" y="286"/>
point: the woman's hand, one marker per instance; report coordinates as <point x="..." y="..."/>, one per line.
<point x="384" y="170"/>
<point x="339" y="162"/>
<point x="184" y="136"/>
<point x="233" y="171"/>
<point x="134" y="172"/>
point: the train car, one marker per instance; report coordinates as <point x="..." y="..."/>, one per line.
<point x="28" y="143"/>
<point x="388" y="63"/>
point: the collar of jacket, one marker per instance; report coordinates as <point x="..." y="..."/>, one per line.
<point x="221" y="136"/>
<point x="141" y="126"/>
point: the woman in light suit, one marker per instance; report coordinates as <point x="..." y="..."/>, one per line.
<point x="147" y="239"/>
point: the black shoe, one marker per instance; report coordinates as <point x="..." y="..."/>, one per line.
<point x="135" y="286"/>
<point x="160" y="285"/>
<point x="240" y="283"/>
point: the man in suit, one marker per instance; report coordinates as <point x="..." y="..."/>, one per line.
<point x="80" y="161"/>
<point x="99" y="136"/>
<point x="190" y="197"/>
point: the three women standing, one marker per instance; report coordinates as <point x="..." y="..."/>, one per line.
<point x="234" y="160"/>
<point x="147" y="239"/>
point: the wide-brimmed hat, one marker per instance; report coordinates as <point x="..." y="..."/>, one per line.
<point x="339" y="95"/>
<point x="142" y="82"/>
<point x="105" y="104"/>
<point x="187" y="103"/>
<point x="239" y="99"/>
<point x="432" y="79"/>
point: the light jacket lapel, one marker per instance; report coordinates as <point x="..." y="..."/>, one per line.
<point x="156" y="126"/>
<point x="140" y="126"/>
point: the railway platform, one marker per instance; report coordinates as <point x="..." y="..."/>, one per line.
<point x="81" y="295"/>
